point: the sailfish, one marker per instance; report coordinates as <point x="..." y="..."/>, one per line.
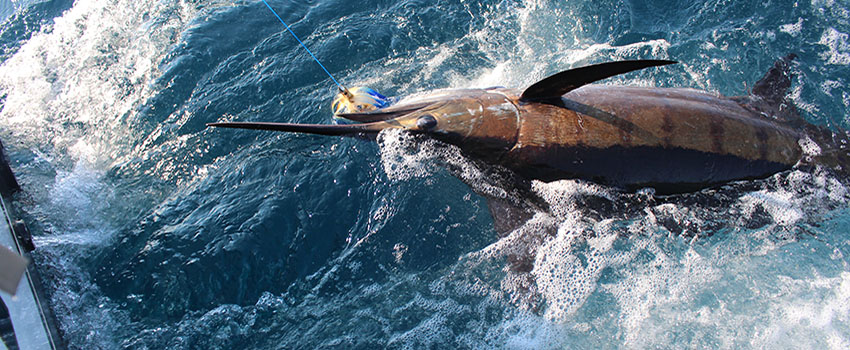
<point x="674" y="140"/>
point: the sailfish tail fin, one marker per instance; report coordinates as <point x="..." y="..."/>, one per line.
<point x="768" y="96"/>
<point x="774" y="85"/>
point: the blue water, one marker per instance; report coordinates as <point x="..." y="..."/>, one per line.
<point x="156" y="232"/>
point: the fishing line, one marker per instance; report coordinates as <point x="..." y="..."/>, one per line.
<point x="357" y="99"/>
<point x="341" y="88"/>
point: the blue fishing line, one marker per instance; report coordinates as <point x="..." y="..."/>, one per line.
<point x="305" y="46"/>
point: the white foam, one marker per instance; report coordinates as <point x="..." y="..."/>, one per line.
<point x="652" y="286"/>
<point x="779" y="204"/>
<point x="76" y="194"/>
<point x="796" y="94"/>
<point x="809" y="312"/>
<point x="828" y="85"/>
<point x="566" y="268"/>
<point x="405" y="156"/>
<point x="793" y="29"/>
<point x="837" y="45"/>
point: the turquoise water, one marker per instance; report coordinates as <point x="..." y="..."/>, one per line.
<point x="157" y="232"/>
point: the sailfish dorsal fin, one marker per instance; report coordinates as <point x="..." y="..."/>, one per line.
<point x="561" y="83"/>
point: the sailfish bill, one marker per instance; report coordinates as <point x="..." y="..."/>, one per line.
<point x="318" y="129"/>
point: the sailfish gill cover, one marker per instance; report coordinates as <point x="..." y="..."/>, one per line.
<point x="156" y="232"/>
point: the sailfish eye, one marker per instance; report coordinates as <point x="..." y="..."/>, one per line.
<point x="426" y="122"/>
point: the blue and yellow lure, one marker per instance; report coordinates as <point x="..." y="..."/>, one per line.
<point x="358" y="100"/>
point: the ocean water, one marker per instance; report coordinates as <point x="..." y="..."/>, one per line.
<point x="156" y="232"/>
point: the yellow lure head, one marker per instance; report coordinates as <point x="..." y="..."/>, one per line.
<point x="358" y="100"/>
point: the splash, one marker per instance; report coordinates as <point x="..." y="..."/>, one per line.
<point x="84" y="76"/>
<point x="72" y="92"/>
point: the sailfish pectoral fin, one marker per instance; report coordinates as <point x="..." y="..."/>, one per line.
<point x="561" y="83"/>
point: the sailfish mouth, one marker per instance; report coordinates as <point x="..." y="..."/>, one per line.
<point x="387" y="113"/>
